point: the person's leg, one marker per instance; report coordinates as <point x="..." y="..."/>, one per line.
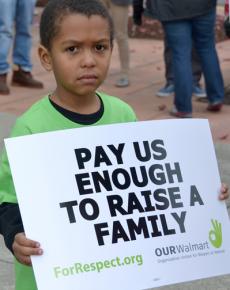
<point x="23" y="38"/>
<point x="168" y="89"/>
<point x="22" y="45"/>
<point x="168" y="63"/>
<point x="197" y="89"/>
<point x="120" y="19"/>
<point x="179" y="37"/>
<point x="7" y="14"/>
<point x="196" y="67"/>
<point x="204" y="41"/>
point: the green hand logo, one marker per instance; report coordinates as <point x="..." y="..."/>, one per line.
<point x="215" y="235"/>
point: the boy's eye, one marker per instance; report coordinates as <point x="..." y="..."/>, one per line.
<point x="100" y="47"/>
<point x="72" y="49"/>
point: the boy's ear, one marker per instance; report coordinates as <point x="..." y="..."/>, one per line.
<point x="45" y="58"/>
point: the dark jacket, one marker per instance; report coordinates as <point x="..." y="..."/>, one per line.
<point x="169" y="10"/>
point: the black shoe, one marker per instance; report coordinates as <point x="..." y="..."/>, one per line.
<point x="4" y="89"/>
<point x="25" y="79"/>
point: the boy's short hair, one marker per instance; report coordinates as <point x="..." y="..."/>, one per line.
<point x="56" y="10"/>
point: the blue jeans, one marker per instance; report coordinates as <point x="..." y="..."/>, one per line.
<point x="180" y="35"/>
<point x="16" y="14"/>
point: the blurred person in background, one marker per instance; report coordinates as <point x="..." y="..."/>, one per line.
<point x="119" y="10"/>
<point x="187" y="23"/>
<point x="15" y="29"/>
<point x="139" y="6"/>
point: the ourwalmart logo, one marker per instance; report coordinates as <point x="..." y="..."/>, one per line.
<point x="215" y="234"/>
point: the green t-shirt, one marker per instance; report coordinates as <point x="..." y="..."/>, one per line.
<point x="43" y="117"/>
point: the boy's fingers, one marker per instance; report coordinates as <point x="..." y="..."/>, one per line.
<point x="21" y="239"/>
<point x="23" y="254"/>
<point x="223" y="196"/>
<point x="224" y="193"/>
<point x="24" y="260"/>
<point x="23" y="248"/>
<point x="224" y="188"/>
<point x="26" y="251"/>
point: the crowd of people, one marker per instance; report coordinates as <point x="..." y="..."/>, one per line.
<point x="76" y="42"/>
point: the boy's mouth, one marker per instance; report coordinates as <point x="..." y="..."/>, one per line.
<point x="88" y="79"/>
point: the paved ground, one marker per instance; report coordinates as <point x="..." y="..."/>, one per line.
<point x="147" y="76"/>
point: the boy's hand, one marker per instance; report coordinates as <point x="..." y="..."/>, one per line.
<point x="23" y="248"/>
<point x="224" y="194"/>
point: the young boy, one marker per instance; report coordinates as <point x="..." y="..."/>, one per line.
<point x="76" y="44"/>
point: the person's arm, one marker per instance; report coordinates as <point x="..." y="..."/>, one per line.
<point x="10" y="223"/>
<point x="11" y="227"/>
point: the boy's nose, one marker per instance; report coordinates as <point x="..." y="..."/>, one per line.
<point x="88" y="58"/>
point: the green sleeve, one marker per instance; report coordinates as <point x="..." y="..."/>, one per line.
<point x="7" y="191"/>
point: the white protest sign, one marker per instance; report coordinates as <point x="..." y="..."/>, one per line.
<point x="126" y="206"/>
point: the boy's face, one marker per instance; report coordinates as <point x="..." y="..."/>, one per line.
<point x="80" y="55"/>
